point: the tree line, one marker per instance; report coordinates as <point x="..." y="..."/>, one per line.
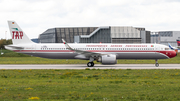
<point x="5" y="42"/>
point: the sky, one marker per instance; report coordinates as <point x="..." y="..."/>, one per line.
<point x="36" y="16"/>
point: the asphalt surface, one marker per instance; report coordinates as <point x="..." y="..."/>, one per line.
<point x="96" y="66"/>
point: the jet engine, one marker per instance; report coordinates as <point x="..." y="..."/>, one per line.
<point x="107" y="59"/>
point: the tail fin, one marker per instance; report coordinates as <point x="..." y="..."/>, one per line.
<point x="178" y="42"/>
<point x="18" y="36"/>
<point x="171" y="46"/>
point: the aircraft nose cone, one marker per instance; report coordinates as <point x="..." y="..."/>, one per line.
<point x="173" y="54"/>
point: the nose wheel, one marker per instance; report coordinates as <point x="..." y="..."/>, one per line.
<point x="157" y="64"/>
<point x="90" y="64"/>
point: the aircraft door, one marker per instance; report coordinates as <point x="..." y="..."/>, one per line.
<point x="157" y="49"/>
<point x="33" y="48"/>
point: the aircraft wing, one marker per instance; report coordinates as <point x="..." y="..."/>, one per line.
<point x="85" y="53"/>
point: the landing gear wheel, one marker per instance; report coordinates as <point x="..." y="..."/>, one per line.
<point x="157" y="65"/>
<point x="90" y="64"/>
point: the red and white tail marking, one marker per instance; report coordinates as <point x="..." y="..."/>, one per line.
<point x="18" y="36"/>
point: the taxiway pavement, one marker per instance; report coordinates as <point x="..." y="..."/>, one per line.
<point x="97" y="66"/>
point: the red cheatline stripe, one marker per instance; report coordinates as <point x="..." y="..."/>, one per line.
<point x="167" y="53"/>
<point x="88" y="51"/>
<point x="164" y="52"/>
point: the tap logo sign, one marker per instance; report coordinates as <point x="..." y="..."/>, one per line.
<point x="17" y="34"/>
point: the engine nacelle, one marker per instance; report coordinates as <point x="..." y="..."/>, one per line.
<point x="108" y="59"/>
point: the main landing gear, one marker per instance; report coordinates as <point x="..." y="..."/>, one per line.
<point x="157" y="64"/>
<point x="90" y="64"/>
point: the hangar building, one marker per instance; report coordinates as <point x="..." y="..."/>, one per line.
<point x="165" y="37"/>
<point x="103" y="34"/>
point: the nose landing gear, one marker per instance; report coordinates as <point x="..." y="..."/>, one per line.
<point x="157" y="64"/>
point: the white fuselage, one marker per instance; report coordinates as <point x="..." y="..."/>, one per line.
<point x="122" y="51"/>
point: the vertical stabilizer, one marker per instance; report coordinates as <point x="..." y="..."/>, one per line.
<point x="178" y="43"/>
<point x="171" y="46"/>
<point x="17" y="34"/>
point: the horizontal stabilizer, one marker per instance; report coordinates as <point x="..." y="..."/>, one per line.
<point x="14" y="47"/>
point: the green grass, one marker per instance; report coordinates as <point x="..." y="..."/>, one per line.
<point x="10" y="57"/>
<point x="90" y="85"/>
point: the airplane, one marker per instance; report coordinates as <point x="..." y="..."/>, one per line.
<point x="105" y="53"/>
<point x="174" y="48"/>
<point x="178" y="43"/>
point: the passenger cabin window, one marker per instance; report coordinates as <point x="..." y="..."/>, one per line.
<point x="166" y="48"/>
